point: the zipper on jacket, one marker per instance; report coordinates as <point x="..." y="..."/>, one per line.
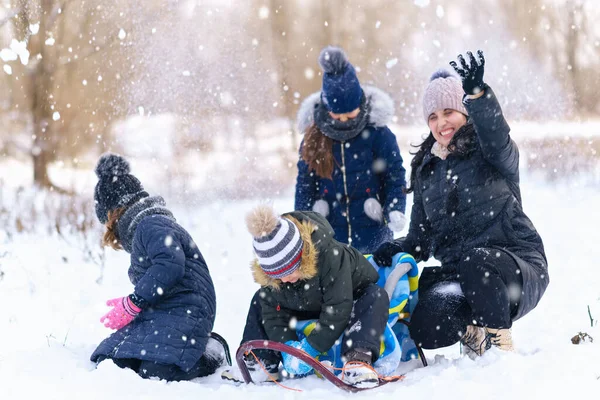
<point x="343" y="168"/>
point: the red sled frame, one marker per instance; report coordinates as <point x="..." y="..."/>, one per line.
<point x="276" y="346"/>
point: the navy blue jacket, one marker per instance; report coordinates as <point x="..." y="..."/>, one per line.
<point x="471" y="201"/>
<point x="366" y="166"/>
<point x="170" y="274"/>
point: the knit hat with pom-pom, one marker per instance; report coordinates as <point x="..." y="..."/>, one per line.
<point x="341" y="92"/>
<point x="443" y="91"/>
<point x="277" y="242"/>
<point x="116" y="187"/>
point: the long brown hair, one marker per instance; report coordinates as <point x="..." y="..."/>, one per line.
<point x="317" y="152"/>
<point x="111" y="237"/>
<point x="418" y="157"/>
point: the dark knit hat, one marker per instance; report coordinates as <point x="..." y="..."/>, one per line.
<point x="116" y="187"/>
<point x="443" y="91"/>
<point x="341" y="92"/>
<point x="277" y="242"/>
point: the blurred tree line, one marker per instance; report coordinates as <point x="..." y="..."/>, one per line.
<point x="74" y="69"/>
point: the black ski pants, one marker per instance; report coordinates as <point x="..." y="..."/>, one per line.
<point x="484" y="289"/>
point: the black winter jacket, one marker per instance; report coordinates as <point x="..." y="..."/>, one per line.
<point x="473" y="200"/>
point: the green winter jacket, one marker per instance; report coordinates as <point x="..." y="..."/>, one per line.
<point x="333" y="275"/>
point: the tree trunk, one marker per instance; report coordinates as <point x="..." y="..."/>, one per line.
<point x="40" y="171"/>
<point x="280" y="22"/>
<point x="39" y="150"/>
<point x="572" y="43"/>
<point x="41" y="90"/>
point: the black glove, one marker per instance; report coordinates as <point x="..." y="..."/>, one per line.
<point x="471" y="75"/>
<point x="383" y="255"/>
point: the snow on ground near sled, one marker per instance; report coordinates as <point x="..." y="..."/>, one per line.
<point x="51" y="305"/>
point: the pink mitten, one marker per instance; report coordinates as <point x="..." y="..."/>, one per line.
<point x="123" y="312"/>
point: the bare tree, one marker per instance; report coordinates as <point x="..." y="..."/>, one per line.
<point x="57" y="36"/>
<point x="574" y="30"/>
<point x="280" y="22"/>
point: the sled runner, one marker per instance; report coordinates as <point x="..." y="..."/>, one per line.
<point x="319" y="368"/>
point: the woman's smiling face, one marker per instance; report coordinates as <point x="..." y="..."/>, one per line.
<point x="444" y="124"/>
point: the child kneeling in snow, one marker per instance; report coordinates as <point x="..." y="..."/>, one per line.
<point x="306" y="274"/>
<point x="164" y="326"/>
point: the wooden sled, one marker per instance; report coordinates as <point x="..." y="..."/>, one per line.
<point x="318" y="367"/>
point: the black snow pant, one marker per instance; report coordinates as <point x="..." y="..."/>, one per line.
<point x="364" y="330"/>
<point x="484" y="289"/>
<point x="149" y="369"/>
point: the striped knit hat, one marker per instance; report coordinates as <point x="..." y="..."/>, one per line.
<point x="443" y="91"/>
<point x="277" y="242"/>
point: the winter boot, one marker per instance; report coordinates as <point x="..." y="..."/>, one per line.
<point x="474" y="342"/>
<point x="217" y="349"/>
<point x="260" y="373"/>
<point x="221" y="340"/>
<point x="500" y="338"/>
<point x="358" y="371"/>
<point x="216" y="355"/>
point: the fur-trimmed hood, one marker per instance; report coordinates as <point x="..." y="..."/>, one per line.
<point x="308" y="265"/>
<point x="380" y="114"/>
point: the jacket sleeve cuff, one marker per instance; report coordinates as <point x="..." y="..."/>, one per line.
<point x="138" y="301"/>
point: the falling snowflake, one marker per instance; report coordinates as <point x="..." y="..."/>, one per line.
<point x="263" y="12"/>
<point x="293" y="323"/>
<point x="309" y="73"/>
<point x="439" y="11"/>
<point x="390" y="63"/>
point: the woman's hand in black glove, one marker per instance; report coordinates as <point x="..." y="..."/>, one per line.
<point x="472" y="74"/>
<point x="383" y="255"/>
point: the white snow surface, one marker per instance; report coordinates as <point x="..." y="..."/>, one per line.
<point x="51" y="305"/>
<point x="452" y="288"/>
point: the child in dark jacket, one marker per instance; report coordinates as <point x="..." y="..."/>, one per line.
<point x="164" y="326"/>
<point x="304" y="274"/>
<point x="350" y="168"/>
<point x="467" y="213"/>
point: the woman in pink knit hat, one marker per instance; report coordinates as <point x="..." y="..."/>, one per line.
<point x="467" y="213"/>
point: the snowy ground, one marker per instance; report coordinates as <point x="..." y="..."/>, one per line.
<point x="51" y="305"/>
